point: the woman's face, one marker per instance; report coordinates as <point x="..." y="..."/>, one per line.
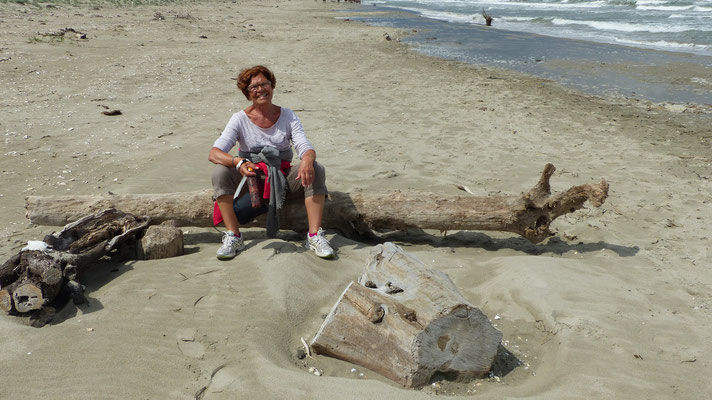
<point x="260" y="90"/>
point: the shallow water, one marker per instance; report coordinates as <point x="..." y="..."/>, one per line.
<point x="593" y="67"/>
<point x="677" y="25"/>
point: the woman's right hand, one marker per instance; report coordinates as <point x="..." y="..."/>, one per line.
<point x="248" y="169"/>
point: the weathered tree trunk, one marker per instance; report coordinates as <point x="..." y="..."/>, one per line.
<point x="407" y="322"/>
<point x="32" y="279"/>
<point x="529" y="214"/>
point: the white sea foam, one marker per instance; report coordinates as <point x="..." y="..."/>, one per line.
<point x="665" y="8"/>
<point x="517" y="19"/>
<point x="623" y="27"/>
<point x="666" y="45"/>
<point x="443" y="15"/>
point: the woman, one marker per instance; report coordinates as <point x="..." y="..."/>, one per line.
<point x="265" y="133"/>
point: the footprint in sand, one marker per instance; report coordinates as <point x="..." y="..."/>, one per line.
<point x="187" y="343"/>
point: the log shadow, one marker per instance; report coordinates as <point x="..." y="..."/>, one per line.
<point x="480" y="240"/>
<point x="504" y="362"/>
<point x="101" y="273"/>
<point x="467" y="239"/>
<point x="289" y="242"/>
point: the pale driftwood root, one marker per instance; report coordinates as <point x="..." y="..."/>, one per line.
<point x="529" y="214"/>
<point x="408" y="322"/>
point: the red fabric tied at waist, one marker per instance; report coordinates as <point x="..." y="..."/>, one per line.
<point x="217" y="215"/>
<point x="284" y="166"/>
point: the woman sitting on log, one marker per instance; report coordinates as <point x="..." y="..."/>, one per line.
<point x="265" y="133"/>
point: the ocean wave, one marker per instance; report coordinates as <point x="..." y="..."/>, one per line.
<point x="624" y="26"/>
<point x="444" y="15"/>
<point x="689" y="16"/>
<point x="666" y="45"/>
<point x="518" y="19"/>
<point x="650" y="2"/>
<point x="420" y="5"/>
<point x="665" y="8"/>
<point x="591" y="4"/>
<point x="629" y="3"/>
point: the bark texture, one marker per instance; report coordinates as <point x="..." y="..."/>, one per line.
<point x="408" y="323"/>
<point x="528" y="214"/>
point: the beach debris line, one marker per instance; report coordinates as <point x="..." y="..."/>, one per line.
<point x="63" y="33"/>
<point x="32" y="279"/>
<point x="42" y="278"/>
<point x="358" y="214"/>
<point x="427" y="327"/>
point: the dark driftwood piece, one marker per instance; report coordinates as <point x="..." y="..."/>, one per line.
<point x="32" y="279"/>
<point x="528" y="214"/>
<point x="488" y="18"/>
<point x="407" y="322"/>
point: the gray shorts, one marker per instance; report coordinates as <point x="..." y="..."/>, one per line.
<point x="226" y="180"/>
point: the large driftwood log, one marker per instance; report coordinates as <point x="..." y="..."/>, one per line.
<point x="32" y="279"/>
<point x="528" y="214"/>
<point x="408" y="323"/>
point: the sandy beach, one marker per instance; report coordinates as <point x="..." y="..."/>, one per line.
<point x="615" y="306"/>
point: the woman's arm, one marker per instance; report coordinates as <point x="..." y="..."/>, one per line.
<point x="218" y="156"/>
<point x="306" y="168"/>
<point x="298" y="137"/>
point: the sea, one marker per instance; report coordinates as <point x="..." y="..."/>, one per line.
<point x="659" y="50"/>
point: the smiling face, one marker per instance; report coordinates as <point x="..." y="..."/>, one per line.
<point x="260" y="90"/>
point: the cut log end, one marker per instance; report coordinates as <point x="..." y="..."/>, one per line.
<point x="27" y="298"/>
<point x="460" y="345"/>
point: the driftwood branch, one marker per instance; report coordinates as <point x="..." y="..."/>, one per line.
<point x="529" y="214"/>
<point x="487" y="17"/>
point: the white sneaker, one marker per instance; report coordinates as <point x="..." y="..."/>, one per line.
<point x="320" y="245"/>
<point x="231" y="245"/>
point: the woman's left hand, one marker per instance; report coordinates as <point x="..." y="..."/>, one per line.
<point x="306" y="172"/>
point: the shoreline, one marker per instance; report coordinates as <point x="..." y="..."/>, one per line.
<point x="601" y="69"/>
<point x="589" y="312"/>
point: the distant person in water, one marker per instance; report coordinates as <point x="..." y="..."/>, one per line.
<point x="265" y="134"/>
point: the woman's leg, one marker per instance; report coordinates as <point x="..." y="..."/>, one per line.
<point x="314" y="200"/>
<point x="228" y="213"/>
<point x="315" y="211"/>
<point x="314" y="195"/>
<point x="225" y="182"/>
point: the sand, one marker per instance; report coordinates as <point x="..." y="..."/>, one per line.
<point x="617" y="305"/>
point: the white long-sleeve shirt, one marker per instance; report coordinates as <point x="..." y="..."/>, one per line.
<point x="286" y="131"/>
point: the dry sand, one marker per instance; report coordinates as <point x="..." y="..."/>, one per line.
<point x="616" y="306"/>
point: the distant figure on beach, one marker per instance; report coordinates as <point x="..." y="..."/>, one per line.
<point x="265" y="133"/>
